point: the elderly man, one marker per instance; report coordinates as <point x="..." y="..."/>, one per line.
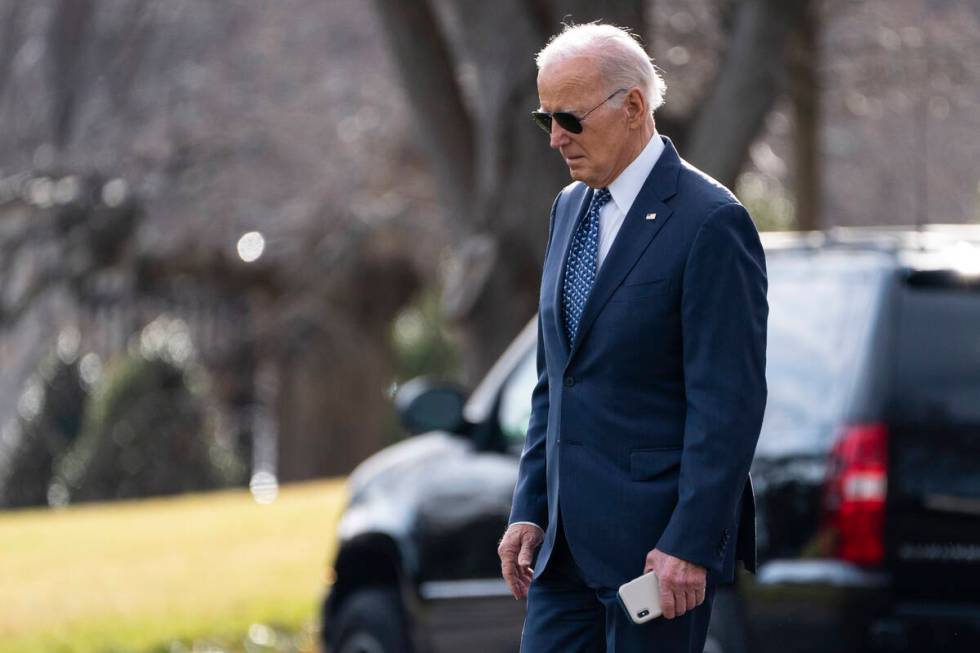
<point x="651" y="369"/>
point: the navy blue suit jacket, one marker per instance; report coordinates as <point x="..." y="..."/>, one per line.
<point x="642" y="430"/>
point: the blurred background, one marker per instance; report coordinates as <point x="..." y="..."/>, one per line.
<point x="229" y="231"/>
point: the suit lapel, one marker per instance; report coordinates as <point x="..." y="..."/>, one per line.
<point x="633" y="238"/>
<point x="577" y="207"/>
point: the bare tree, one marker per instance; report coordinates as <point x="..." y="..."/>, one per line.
<point x="214" y="141"/>
<point x="467" y="69"/>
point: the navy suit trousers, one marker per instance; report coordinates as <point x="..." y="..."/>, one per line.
<point x="565" y="615"/>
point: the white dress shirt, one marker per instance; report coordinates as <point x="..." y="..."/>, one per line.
<point x="624" y="190"/>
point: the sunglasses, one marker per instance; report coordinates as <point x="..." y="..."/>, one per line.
<point x="565" y="120"/>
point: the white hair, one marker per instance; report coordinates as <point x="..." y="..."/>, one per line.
<point x="622" y="60"/>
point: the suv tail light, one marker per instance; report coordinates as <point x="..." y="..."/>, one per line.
<point x="854" y="498"/>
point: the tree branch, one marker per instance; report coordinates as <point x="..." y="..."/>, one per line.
<point x="748" y="84"/>
<point x="623" y="13"/>
<point x="421" y="55"/>
<point x="9" y="44"/>
<point x="66" y="34"/>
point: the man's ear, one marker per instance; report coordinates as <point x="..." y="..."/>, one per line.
<point x="636" y="107"/>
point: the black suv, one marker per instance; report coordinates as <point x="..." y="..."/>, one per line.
<point x="867" y="472"/>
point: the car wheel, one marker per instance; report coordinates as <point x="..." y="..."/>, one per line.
<point x="711" y="645"/>
<point x="371" y="621"/>
<point x="725" y="631"/>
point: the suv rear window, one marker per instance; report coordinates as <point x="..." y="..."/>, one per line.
<point x="937" y="367"/>
<point x="821" y="310"/>
<point x="935" y="402"/>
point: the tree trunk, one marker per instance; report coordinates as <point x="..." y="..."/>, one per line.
<point x="491" y="289"/>
<point x="805" y="96"/>
<point x="500" y="224"/>
<point x="749" y="82"/>
<point x="67" y="32"/>
<point x="425" y="66"/>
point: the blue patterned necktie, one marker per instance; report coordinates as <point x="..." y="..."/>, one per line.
<point x="581" y="271"/>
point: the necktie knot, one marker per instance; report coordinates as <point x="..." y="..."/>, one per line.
<point x="599" y="199"/>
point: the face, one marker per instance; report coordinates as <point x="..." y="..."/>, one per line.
<point x="602" y="150"/>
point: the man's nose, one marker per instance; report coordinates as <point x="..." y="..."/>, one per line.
<point x="559" y="136"/>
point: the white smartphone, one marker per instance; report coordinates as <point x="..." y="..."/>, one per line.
<point x="641" y="598"/>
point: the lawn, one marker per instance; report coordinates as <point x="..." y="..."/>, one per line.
<point x="199" y="571"/>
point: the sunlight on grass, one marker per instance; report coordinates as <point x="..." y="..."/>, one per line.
<point x="132" y="576"/>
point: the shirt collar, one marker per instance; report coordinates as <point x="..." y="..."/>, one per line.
<point x="627" y="185"/>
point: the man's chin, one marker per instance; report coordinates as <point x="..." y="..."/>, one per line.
<point x="577" y="173"/>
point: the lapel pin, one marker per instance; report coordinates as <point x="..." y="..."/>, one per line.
<point x="651" y="216"/>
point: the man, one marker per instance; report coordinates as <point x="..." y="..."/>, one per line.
<point x="651" y="369"/>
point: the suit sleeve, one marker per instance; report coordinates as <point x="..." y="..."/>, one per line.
<point x="530" y="502"/>
<point x="724" y="311"/>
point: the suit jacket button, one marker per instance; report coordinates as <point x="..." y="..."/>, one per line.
<point x="569" y="381"/>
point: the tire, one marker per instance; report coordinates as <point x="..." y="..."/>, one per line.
<point x="371" y="620"/>
<point x="725" y="631"/>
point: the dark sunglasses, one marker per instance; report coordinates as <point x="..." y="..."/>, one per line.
<point x="566" y="121"/>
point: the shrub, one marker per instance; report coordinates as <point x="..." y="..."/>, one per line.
<point x="50" y="418"/>
<point x="145" y="433"/>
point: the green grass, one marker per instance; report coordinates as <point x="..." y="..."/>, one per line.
<point x="139" y="575"/>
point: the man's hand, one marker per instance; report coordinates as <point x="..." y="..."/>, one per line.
<point x="516" y="551"/>
<point x="682" y="583"/>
